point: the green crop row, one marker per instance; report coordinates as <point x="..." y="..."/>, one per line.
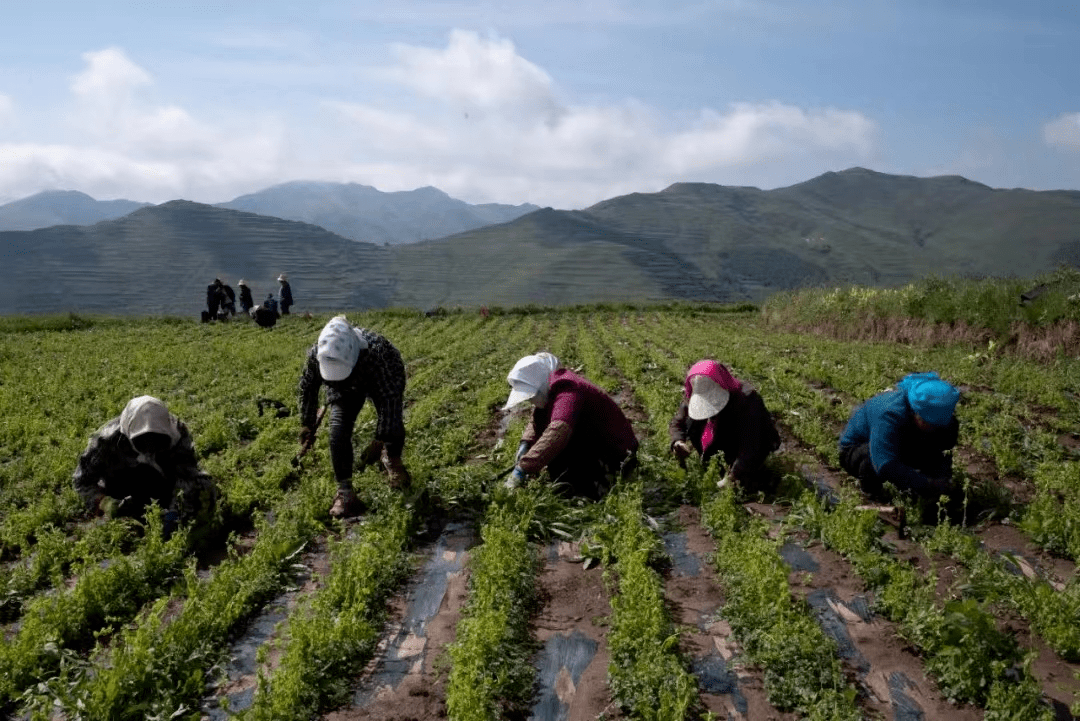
<point x="491" y="676"/>
<point x="971" y="660"/>
<point x="334" y="634"/>
<point x="775" y="631"/>
<point x="648" y="677"/>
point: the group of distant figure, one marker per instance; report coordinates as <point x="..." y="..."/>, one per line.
<point x="221" y="302"/>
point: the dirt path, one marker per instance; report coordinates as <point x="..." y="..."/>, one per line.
<point x="694" y="599"/>
<point x="406" y="680"/>
<point x="572" y="666"/>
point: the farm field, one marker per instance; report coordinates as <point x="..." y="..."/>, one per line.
<point x="669" y="599"/>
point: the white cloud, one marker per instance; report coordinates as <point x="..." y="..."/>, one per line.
<point x="1063" y="132"/>
<point x="500" y="125"/>
<point x="125" y="146"/>
<point x="473" y="118"/>
<point x="477" y="74"/>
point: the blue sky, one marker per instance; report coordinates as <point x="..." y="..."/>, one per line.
<point x="555" y="103"/>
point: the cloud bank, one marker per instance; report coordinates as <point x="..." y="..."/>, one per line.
<point x="1063" y="132"/>
<point x="473" y="118"/>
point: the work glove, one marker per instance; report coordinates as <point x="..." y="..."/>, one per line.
<point x="107" y="506"/>
<point x="306" y="436"/>
<point x="516" y="479"/>
<point x="372" y="453"/>
<point x="726" y="481"/>
<point x="170" y="521"/>
<point x="682" y="449"/>
<point x="523" y="448"/>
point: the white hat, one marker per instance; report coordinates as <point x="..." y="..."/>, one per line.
<point x="529" y="377"/>
<point x="146" y="414"/>
<point x="707" y="398"/>
<point x="282" y="277"/>
<point x="338" y="348"/>
<point x="242" y="282"/>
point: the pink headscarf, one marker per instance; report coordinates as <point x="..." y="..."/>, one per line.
<point x="719" y="373"/>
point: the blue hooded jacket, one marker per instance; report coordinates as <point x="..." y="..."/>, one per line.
<point x="887" y="423"/>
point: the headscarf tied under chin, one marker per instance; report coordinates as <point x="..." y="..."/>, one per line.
<point x="719" y="373"/>
<point x="146" y="414"/>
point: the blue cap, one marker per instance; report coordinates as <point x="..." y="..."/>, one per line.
<point x="933" y="399"/>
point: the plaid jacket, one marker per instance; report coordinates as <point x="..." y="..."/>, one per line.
<point x="379" y="374"/>
<point x="110" y="466"/>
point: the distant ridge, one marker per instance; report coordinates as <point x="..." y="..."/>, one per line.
<point x="691" y="241"/>
<point x="363" y="213"/>
<point x="61" y="207"/>
<point x="159" y="260"/>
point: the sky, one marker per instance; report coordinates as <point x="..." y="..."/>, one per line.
<point x="560" y="104"/>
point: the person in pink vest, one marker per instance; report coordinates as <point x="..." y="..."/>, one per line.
<point x="721" y="414"/>
<point x="577" y="431"/>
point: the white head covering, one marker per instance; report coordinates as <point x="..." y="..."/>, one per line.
<point x="282" y="277"/>
<point x="707" y="398"/>
<point x="147" y="414"/>
<point x="339" y="347"/>
<point x="529" y="377"/>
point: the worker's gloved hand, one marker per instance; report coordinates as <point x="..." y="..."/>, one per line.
<point x="682" y="449"/>
<point x="107" y="506"/>
<point x="523" y="448"/>
<point x="170" y="521"/>
<point x="306" y="436"/>
<point x="517" y="478"/>
<point x="727" y="480"/>
<point x="372" y="454"/>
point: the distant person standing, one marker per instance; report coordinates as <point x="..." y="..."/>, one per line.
<point x="214" y="295"/>
<point x="285" y="294"/>
<point x="228" y="300"/>
<point x="246" y="301"/>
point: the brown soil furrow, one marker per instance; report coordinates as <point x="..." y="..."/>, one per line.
<point x="694" y="597"/>
<point x="890" y="675"/>
<point x="570" y="626"/>
<point x="243" y="669"/>
<point x="406" y="679"/>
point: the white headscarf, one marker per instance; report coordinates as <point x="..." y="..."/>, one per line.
<point x="529" y="378"/>
<point x="147" y="414"/>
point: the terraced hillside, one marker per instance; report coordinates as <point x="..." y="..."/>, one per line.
<point x="669" y="599"/>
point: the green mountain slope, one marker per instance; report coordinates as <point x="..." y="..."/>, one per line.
<point x="160" y="259"/>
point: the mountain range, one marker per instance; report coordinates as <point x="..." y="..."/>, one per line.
<point x="693" y="241"/>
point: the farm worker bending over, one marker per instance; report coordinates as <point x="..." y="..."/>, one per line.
<point x="355" y="364"/>
<point x="721" y="414"/>
<point x="901" y="436"/>
<point x="145" y="454"/>
<point x="577" y="430"/>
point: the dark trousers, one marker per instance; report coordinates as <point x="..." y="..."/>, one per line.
<point x="587" y="475"/>
<point x="343" y="413"/>
<point x="856" y="461"/>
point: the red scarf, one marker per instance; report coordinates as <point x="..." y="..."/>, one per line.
<point x="719" y="373"/>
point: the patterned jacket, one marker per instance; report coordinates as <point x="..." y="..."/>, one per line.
<point x="379" y="374"/>
<point x="110" y="466"/>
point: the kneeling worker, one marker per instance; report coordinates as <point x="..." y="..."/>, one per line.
<point x="355" y="364"/>
<point x="901" y="436"/>
<point x="145" y="454"/>
<point x="577" y="431"/>
<point x="721" y="414"/>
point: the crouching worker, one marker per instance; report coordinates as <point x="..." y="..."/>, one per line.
<point x="355" y="364"/>
<point x="145" y="455"/>
<point x="721" y="414"/>
<point x="901" y="437"/>
<point x="577" y="431"/>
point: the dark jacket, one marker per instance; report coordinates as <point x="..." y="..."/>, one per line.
<point x="743" y="431"/>
<point x="286" y="293"/>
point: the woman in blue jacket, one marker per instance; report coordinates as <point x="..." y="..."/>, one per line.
<point x="903" y="436"/>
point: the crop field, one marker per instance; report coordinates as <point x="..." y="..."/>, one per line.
<point x="457" y="598"/>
